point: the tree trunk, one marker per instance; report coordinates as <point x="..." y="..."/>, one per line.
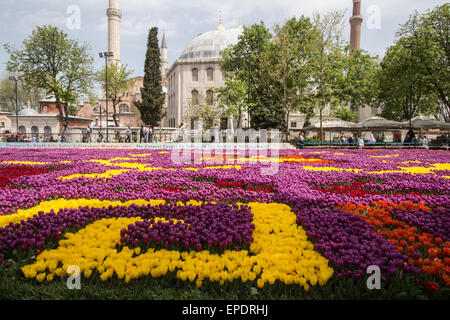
<point x="115" y="113"/>
<point x="321" y="125"/>
<point x="62" y="117"/>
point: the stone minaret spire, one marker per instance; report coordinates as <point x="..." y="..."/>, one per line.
<point x="114" y="17"/>
<point x="356" y="22"/>
<point x="164" y="59"/>
<point x="220" y="27"/>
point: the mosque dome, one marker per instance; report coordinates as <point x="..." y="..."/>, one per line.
<point x="210" y="45"/>
<point x="28" y="112"/>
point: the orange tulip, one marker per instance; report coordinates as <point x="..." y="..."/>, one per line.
<point x="431" y="286"/>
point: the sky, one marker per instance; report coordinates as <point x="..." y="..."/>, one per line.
<point x="86" y="21"/>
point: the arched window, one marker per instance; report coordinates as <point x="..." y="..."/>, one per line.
<point x="124" y="108"/>
<point x="34" y="131"/>
<point x="210" y="97"/>
<point x="194" y="96"/>
<point x="210" y="74"/>
<point x="47" y="131"/>
<point x="22" y="130"/>
<point x="194" y="75"/>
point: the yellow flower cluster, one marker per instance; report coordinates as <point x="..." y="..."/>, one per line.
<point x="140" y="155"/>
<point x="385" y="156"/>
<point x="410" y="170"/>
<point x="107" y="174"/>
<point x="25" y="162"/>
<point x="328" y="169"/>
<point x="215" y="167"/>
<point x="276" y="159"/>
<point x="280" y="251"/>
<point x="146" y="167"/>
<point x="418" y="170"/>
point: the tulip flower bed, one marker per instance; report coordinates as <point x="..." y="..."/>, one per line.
<point x="131" y="220"/>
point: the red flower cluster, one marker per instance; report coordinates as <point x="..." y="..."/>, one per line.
<point x="9" y="173"/>
<point x="241" y="185"/>
<point x="172" y="189"/>
<point x="355" y="189"/>
<point x="298" y="158"/>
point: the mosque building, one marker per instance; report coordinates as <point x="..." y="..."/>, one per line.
<point x="193" y="76"/>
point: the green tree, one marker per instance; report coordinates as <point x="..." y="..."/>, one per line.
<point x="328" y="63"/>
<point x="26" y="96"/>
<point x="405" y="91"/>
<point x="345" y="114"/>
<point x="361" y="80"/>
<point x="153" y="97"/>
<point x="288" y="64"/>
<point x="119" y="85"/>
<point x="203" y="110"/>
<point x="51" y="61"/>
<point x="428" y="37"/>
<point x="232" y="99"/>
<point x="244" y="62"/>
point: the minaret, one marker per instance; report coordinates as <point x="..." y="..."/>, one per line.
<point x="356" y="22"/>
<point x="114" y="16"/>
<point x="164" y="59"/>
<point x="220" y="27"/>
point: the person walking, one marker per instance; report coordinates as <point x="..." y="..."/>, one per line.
<point x="141" y="134"/>
<point x="216" y="132"/>
<point x="183" y="132"/>
<point x="128" y="139"/>
<point x="360" y="142"/>
<point x="150" y="132"/>
<point x="145" y="134"/>
<point x="301" y="140"/>
<point x="88" y="135"/>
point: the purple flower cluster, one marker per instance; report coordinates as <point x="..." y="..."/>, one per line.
<point x="436" y="222"/>
<point x="218" y="224"/>
<point x="350" y="243"/>
<point x="210" y="225"/>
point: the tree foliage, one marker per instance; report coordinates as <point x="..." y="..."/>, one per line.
<point x="203" y="111"/>
<point x="405" y="92"/>
<point x="288" y="62"/>
<point x="26" y="96"/>
<point x="51" y="61"/>
<point x="415" y="72"/>
<point x="232" y="99"/>
<point x="119" y="84"/>
<point x="153" y="97"/>
<point x="244" y="62"/>
<point x="427" y="35"/>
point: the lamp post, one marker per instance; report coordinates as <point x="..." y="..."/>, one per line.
<point x="106" y="55"/>
<point x="16" y="79"/>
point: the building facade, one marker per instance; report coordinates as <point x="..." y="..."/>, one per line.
<point x="197" y="72"/>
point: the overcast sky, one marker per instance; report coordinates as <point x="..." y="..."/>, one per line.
<point x="184" y="20"/>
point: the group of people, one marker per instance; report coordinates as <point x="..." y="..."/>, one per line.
<point x="344" y="141"/>
<point x="213" y="134"/>
<point x="145" y="134"/>
<point x="19" y="137"/>
<point x="359" y="141"/>
<point x="410" y="138"/>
